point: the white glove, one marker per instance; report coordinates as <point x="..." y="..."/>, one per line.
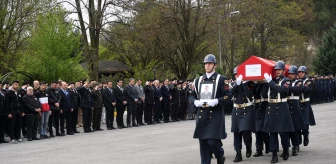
<point x="239" y="79"/>
<point x="213" y="102"/>
<point x="268" y="78"/>
<point x="198" y="103"/>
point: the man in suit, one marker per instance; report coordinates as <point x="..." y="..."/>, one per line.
<point x="175" y="101"/>
<point x="86" y="104"/>
<point x="74" y="99"/>
<point x="15" y="113"/>
<point x="149" y="94"/>
<point x="120" y="104"/>
<point x="109" y="100"/>
<point x="132" y="99"/>
<point x="206" y="94"/>
<point x="65" y="109"/>
<point x="141" y="102"/>
<point x="157" y="101"/>
<point x="53" y="101"/>
<point x="166" y="97"/>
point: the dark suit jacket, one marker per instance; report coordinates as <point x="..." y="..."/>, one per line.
<point x="85" y="97"/>
<point x="157" y="96"/>
<point x="74" y="98"/>
<point x="108" y="97"/>
<point x="149" y="94"/>
<point x="13" y="102"/>
<point x="165" y="93"/>
<point x="120" y="96"/>
<point x="131" y="94"/>
<point x="97" y="99"/>
<point x="65" y="103"/>
<point x="30" y="103"/>
<point x="53" y="97"/>
<point x="2" y="104"/>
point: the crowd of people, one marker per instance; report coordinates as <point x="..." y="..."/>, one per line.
<point x="61" y="108"/>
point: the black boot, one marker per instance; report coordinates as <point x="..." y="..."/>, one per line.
<point x="248" y="152"/>
<point x="238" y="157"/>
<point x="295" y="151"/>
<point x="267" y="150"/>
<point x="258" y="153"/>
<point x="305" y="140"/>
<point x="220" y="160"/>
<point x="285" y="153"/>
<point x="274" y="157"/>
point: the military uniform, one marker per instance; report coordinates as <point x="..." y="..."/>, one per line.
<point x="243" y="120"/>
<point x="86" y="104"/>
<point x="210" y="121"/>
<point x="260" y="105"/>
<point x="297" y="118"/>
<point x="306" y="109"/>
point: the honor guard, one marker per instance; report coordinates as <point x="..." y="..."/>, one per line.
<point x="260" y="105"/>
<point x="243" y="122"/>
<point x="210" y="121"/>
<point x="277" y="118"/>
<point x="306" y="109"/>
<point x="294" y="108"/>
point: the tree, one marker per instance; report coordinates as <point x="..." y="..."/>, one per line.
<point x="54" y="49"/>
<point x="325" y="60"/>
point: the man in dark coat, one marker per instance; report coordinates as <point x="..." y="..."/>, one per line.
<point x="149" y="100"/>
<point x="157" y="102"/>
<point x="166" y="98"/>
<point x="306" y="109"/>
<point x="120" y="104"/>
<point x="86" y="104"/>
<point x="53" y="101"/>
<point x="75" y="99"/>
<point x="175" y="101"/>
<point x="109" y="100"/>
<point x="294" y="108"/>
<point x="278" y="119"/>
<point x="132" y="99"/>
<point x="98" y="106"/>
<point x="243" y="121"/>
<point x="210" y="120"/>
<point x="65" y="109"/>
<point x="183" y="101"/>
<point x="3" y="115"/>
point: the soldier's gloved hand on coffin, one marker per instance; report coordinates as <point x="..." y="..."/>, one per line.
<point x="213" y="102"/>
<point x="268" y="78"/>
<point x="239" y="79"/>
<point x="198" y="103"/>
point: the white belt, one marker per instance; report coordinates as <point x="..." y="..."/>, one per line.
<point x="242" y="105"/>
<point x="293" y="97"/>
<point x="305" y="100"/>
<point x="277" y="100"/>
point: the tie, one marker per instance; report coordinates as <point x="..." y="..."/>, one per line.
<point x="65" y="92"/>
<point x="110" y="90"/>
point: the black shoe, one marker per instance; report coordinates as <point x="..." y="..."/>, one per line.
<point x="30" y="139"/>
<point x="109" y="128"/>
<point x="113" y="127"/>
<point x="3" y="141"/>
<point x="134" y="125"/>
<point x="305" y="141"/>
<point x="165" y="121"/>
<point x="258" y="153"/>
<point x="52" y="136"/>
<point x="285" y="153"/>
<point x="35" y="138"/>
<point x="71" y="133"/>
<point x="59" y="135"/>
<point x="221" y="160"/>
<point x="100" y="129"/>
<point x="90" y="130"/>
<point x="267" y="150"/>
<point x="238" y="157"/>
<point x="119" y="127"/>
<point x="129" y="126"/>
<point x="42" y="137"/>
<point x="274" y="157"/>
<point x="295" y="151"/>
<point x="46" y="137"/>
<point x="87" y="131"/>
<point x="248" y="152"/>
<point x="76" y="131"/>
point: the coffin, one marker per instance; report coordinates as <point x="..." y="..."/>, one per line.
<point x="255" y="67"/>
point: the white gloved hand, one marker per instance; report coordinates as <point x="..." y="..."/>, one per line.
<point x="198" y="103"/>
<point x="213" y="102"/>
<point x="268" y="78"/>
<point x="239" y="79"/>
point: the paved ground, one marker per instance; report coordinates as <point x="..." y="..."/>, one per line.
<point x="170" y="143"/>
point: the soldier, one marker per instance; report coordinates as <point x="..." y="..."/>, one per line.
<point x="278" y="119"/>
<point x="243" y="121"/>
<point x="210" y="120"/>
<point x="75" y="99"/>
<point x="306" y="109"/>
<point x="260" y="101"/>
<point x="86" y="104"/>
<point x="294" y="108"/>
<point x="97" y="99"/>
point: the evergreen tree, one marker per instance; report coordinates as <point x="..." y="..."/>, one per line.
<point x="325" y="61"/>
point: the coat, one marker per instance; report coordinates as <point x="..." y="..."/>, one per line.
<point x="85" y="97"/>
<point x="30" y="103"/>
<point x="210" y="121"/>
<point x="149" y="94"/>
<point x="243" y="117"/>
<point x="108" y="97"/>
<point x="97" y="99"/>
<point x="131" y="94"/>
<point x="278" y="118"/>
<point x="65" y="103"/>
<point x="294" y="105"/>
<point x="140" y="92"/>
<point x="306" y="109"/>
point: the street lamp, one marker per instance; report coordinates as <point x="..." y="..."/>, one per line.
<point x="219" y="35"/>
<point x="154" y="70"/>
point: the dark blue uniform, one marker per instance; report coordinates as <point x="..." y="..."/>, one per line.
<point x="331" y="85"/>
<point x="210" y="121"/>
<point x="243" y="121"/>
<point x="294" y="108"/>
<point x="260" y="105"/>
<point x="278" y="119"/>
<point x="306" y="109"/>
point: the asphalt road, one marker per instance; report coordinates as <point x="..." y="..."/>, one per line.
<point x="170" y="143"/>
